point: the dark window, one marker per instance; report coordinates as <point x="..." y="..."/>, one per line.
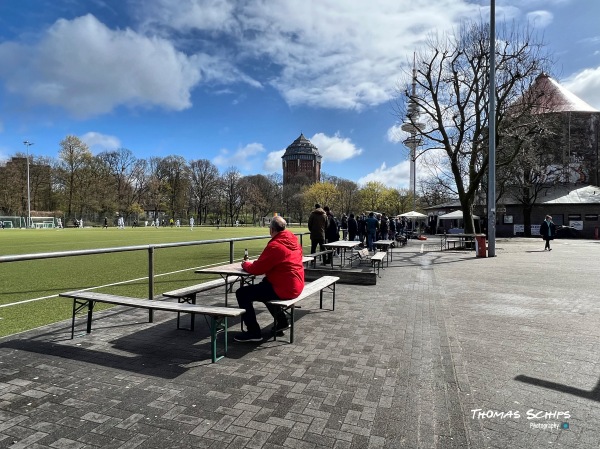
<point x="574" y="217"/>
<point x="591" y="217"/>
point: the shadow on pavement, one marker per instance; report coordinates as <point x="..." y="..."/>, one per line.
<point x="594" y="394"/>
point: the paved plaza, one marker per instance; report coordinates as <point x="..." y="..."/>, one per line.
<point x="446" y="351"/>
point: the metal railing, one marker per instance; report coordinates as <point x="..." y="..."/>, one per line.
<point x="149" y="248"/>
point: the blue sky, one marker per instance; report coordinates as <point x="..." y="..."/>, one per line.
<point x="236" y="81"/>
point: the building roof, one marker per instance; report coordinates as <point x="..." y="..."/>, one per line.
<point x="302" y="146"/>
<point x="570" y="194"/>
<point x="550" y="97"/>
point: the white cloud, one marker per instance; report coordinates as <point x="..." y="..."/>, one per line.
<point x="347" y="55"/>
<point x="397" y="176"/>
<point x="586" y="85"/>
<point x="335" y="148"/>
<point x="540" y="19"/>
<point x="89" y="69"/>
<point x="273" y="163"/>
<point x="395" y="134"/>
<point x="244" y="158"/>
<point x="98" y="142"/>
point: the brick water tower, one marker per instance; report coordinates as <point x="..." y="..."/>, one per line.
<point x="301" y="159"/>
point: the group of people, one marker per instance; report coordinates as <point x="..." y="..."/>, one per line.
<point x="282" y="267"/>
<point x="324" y="227"/>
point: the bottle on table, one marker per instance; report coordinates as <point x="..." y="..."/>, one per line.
<point x="246" y="254"/>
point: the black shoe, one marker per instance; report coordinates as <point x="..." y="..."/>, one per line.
<point x="245" y="337"/>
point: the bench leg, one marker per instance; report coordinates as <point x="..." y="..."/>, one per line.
<point x="290" y="314"/>
<point x="77" y="306"/>
<point x="188" y="300"/>
<point x="217" y="324"/>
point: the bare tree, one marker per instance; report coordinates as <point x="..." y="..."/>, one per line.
<point x="234" y="193"/>
<point x="74" y="160"/>
<point x="263" y="195"/>
<point x="204" y="184"/>
<point x="452" y="96"/>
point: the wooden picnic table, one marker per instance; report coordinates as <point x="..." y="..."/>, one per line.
<point x="386" y="245"/>
<point x="235" y="270"/>
<point x="463" y="240"/>
<point x="229" y="270"/>
<point x="344" y="245"/>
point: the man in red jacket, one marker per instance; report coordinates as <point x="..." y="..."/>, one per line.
<point x="281" y="263"/>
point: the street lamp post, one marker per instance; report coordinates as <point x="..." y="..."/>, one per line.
<point x="27" y="145"/>
<point x="491" y="200"/>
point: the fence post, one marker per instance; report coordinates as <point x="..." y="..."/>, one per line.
<point x="231" y="248"/>
<point x="150" y="281"/>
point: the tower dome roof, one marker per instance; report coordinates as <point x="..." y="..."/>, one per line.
<point x="302" y="146"/>
<point x="550" y="96"/>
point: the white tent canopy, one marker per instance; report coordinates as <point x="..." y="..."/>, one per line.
<point x="413" y="214"/>
<point x="456" y="215"/>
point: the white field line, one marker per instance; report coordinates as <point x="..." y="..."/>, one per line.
<point x="109" y="285"/>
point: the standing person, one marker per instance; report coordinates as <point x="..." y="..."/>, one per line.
<point x="362" y="229"/>
<point x="548" y="231"/>
<point x="281" y="263"/>
<point x="317" y="223"/>
<point x="392" y="230"/>
<point x="332" y="232"/>
<point x="344" y="227"/>
<point x="105" y="223"/>
<point x="372" y="226"/>
<point x="352" y="228"/>
<point x="191" y="223"/>
<point x="383" y="227"/>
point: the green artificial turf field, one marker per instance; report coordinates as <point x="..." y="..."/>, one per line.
<point x="25" y="282"/>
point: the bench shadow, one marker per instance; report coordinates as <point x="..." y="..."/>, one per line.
<point x="123" y="339"/>
<point x="156" y="349"/>
<point x="594" y="394"/>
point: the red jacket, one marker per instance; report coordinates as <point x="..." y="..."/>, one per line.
<point x="281" y="263"/>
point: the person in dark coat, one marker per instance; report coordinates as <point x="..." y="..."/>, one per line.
<point x="548" y="231"/>
<point x="352" y="228"/>
<point x="332" y="233"/>
<point x="317" y="224"/>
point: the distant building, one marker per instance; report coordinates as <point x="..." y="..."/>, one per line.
<point x="571" y="193"/>
<point x="301" y="159"/>
<point x="576" y="132"/>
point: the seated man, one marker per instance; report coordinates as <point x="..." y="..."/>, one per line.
<point x="281" y="263"/>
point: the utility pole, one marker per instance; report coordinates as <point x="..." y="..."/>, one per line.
<point x="491" y="200"/>
<point x="27" y="145"/>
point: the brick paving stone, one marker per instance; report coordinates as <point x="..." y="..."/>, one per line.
<point x="399" y="364"/>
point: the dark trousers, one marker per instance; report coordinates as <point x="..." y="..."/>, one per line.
<point x="313" y="247"/>
<point x="261" y="292"/>
<point x="547" y="246"/>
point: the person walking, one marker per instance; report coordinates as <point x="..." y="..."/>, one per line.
<point x="281" y="263"/>
<point x="191" y="223"/>
<point x="317" y="223"/>
<point x="105" y="223"/>
<point x="548" y="231"/>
